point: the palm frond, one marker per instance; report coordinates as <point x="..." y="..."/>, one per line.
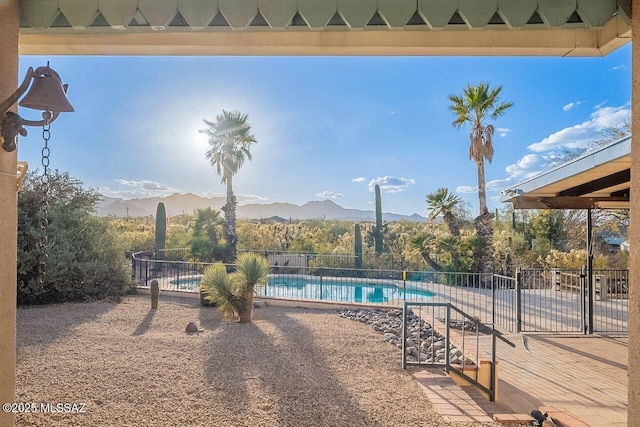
<point x="230" y="140"/>
<point x="252" y="270"/>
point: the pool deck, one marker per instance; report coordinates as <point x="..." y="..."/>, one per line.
<point x="579" y="380"/>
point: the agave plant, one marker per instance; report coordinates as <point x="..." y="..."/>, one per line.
<point x="233" y="294"/>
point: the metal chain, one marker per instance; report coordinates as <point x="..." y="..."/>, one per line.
<point x="43" y="242"/>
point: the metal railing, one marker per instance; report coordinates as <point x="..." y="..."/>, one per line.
<point x="440" y="334"/>
<point x="331" y="260"/>
<point x="172" y="273"/>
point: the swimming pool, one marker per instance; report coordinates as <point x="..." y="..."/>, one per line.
<point x="339" y="289"/>
<point x="190" y="283"/>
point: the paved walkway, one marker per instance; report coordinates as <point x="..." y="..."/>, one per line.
<point x="582" y="379"/>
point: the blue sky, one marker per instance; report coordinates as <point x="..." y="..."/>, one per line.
<point x="327" y="127"/>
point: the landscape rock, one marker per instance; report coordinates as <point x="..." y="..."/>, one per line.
<point x="192" y="328"/>
<point x="423" y="342"/>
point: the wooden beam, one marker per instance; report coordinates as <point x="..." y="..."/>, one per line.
<point x="598" y="184"/>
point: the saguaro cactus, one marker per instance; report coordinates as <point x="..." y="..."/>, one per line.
<point x="155" y="293"/>
<point x="358" y="246"/>
<point x="378" y="230"/>
<point x="161" y="230"/>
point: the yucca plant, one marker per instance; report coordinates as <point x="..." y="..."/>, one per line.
<point x="233" y="294"/>
<point x="251" y="270"/>
<point x="220" y="289"/>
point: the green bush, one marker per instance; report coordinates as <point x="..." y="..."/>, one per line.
<point x="85" y="257"/>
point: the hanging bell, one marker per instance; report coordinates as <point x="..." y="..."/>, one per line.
<point x="47" y="93"/>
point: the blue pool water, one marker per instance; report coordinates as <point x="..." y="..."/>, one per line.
<point x="341" y="290"/>
<point x="325" y="289"/>
<point x="190" y="283"/>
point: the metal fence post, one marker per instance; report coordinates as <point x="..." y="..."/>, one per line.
<point x="492" y="379"/>
<point x="447" y="338"/>
<point x="518" y="300"/>
<point x="583" y="302"/>
<point x="404" y="336"/>
<point x="493" y="299"/>
<point x="404" y="285"/>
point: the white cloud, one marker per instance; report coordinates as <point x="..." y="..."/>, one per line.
<point x="618" y="67"/>
<point x="144" y="185"/>
<point x="466" y="189"/>
<point x="144" y="189"/>
<point x="497" y="184"/>
<point x="503" y="131"/>
<point x="391" y="184"/>
<point x="584" y="133"/>
<point x="570" y="105"/>
<point x="329" y="195"/>
<point x="526" y="167"/>
<point x="493" y="185"/>
<point x="359" y="179"/>
<point x="137" y="189"/>
<point x="250" y="198"/>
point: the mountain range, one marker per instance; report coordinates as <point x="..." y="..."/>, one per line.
<point x="178" y="204"/>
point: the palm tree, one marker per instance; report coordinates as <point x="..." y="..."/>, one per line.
<point x="443" y="203"/>
<point x="205" y="245"/>
<point x="475" y="106"/>
<point x="207" y="222"/>
<point x="230" y="140"/>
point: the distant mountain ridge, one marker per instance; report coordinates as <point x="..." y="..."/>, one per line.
<point x="178" y="204"/>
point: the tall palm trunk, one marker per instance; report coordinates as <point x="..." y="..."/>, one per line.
<point x="452" y="223"/>
<point x="430" y="261"/>
<point x="484" y="230"/>
<point x="484" y="227"/>
<point x="482" y="192"/>
<point x="229" y="210"/>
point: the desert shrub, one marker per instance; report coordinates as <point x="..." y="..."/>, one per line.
<point x="86" y="258"/>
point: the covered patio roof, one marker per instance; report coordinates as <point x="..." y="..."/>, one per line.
<point x="324" y="27"/>
<point x="599" y="179"/>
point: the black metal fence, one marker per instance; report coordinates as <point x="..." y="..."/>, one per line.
<point x="332" y="260"/>
<point x="536" y="300"/>
<point x="565" y="300"/>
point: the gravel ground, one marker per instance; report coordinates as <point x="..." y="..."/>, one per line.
<point x="133" y="366"/>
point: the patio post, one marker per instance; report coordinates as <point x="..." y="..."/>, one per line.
<point x="9" y="27"/>
<point x="589" y="272"/>
<point x="634" y="229"/>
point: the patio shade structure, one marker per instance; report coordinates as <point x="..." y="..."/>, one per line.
<point x="324" y="27"/>
<point x="298" y="27"/>
<point x="600" y="179"/>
